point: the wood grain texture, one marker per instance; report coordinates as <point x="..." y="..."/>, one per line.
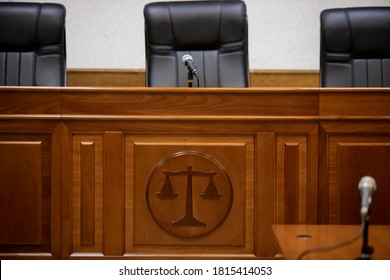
<point x="285" y="78"/>
<point x="21" y="192"/>
<point x="87" y="193"/>
<point x="293" y="155"/>
<point x="113" y="194"/>
<point x="29" y="189"/>
<point x="292" y="185"/>
<point x="30" y="101"/>
<point x="355" y="103"/>
<point x="356" y="159"/>
<point x="231" y="234"/>
<point x="187" y="103"/>
<point x="351" y="157"/>
<point x="105" y="77"/>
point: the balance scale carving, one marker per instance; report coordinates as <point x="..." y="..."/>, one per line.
<point x="167" y="193"/>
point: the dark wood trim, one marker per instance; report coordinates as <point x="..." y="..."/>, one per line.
<point x="285" y="78"/>
<point x="105" y="77"/>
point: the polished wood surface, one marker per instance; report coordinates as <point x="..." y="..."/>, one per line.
<point x="293" y="240"/>
<point x="83" y="170"/>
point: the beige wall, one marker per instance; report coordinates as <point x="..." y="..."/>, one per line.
<point x="283" y="34"/>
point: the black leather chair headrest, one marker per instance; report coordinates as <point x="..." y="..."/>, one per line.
<point x="32" y="44"/>
<point x="355" y="47"/>
<point x="194" y="24"/>
<point x="28" y="26"/>
<point x="357" y="32"/>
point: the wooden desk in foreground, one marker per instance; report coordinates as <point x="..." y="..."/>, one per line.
<point x="294" y="239"/>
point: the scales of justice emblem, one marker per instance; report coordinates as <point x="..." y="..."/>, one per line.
<point x="189" y="194"/>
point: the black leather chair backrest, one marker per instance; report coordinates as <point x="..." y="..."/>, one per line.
<point x="355" y="47"/>
<point x="214" y="33"/>
<point x="32" y="44"/>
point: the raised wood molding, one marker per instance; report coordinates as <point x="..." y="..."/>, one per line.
<point x="284" y="78"/>
<point x="151" y="229"/>
<point x="136" y="78"/>
<point x="113" y="194"/>
<point x="30" y="175"/>
<point x="87" y="193"/>
<point x="23" y="169"/>
<point x="105" y="78"/>
<point x="353" y="150"/>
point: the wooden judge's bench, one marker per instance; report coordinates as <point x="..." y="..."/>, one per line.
<point x="143" y="173"/>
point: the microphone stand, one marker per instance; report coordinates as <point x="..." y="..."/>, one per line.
<point x="367" y="250"/>
<point x="190" y="78"/>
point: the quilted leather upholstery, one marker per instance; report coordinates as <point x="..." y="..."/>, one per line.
<point x="214" y="33"/>
<point x="355" y="47"/>
<point x="32" y="44"/>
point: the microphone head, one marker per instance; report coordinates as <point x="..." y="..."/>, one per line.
<point x="186" y="57"/>
<point x="367" y="182"/>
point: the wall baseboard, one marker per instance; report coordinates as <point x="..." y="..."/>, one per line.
<point x="285" y="78"/>
<point x="105" y="77"/>
<point x="136" y="78"/>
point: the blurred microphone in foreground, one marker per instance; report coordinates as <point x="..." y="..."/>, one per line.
<point x="367" y="187"/>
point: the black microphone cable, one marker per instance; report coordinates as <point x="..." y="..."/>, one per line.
<point x="197" y="79"/>
<point x="332" y="247"/>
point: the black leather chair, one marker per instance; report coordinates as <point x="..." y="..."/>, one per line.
<point x="355" y="47"/>
<point x="32" y="44"/>
<point x="214" y="33"/>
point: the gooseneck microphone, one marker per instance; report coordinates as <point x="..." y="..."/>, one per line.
<point x="367" y="187"/>
<point x="188" y="61"/>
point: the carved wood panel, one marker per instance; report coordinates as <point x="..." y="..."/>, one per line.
<point x="292" y="179"/>
<point x="26" y="194"/>
<point x="97" y="194"/>
<point x="87" y="193"/>
<point x="21" y="192"/>
<point x="189" y="190"/>
<point x="286" y="181"/>
<point x="351" y="156"/>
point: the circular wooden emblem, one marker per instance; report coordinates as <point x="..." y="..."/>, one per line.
<point x="189" y="194"/>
